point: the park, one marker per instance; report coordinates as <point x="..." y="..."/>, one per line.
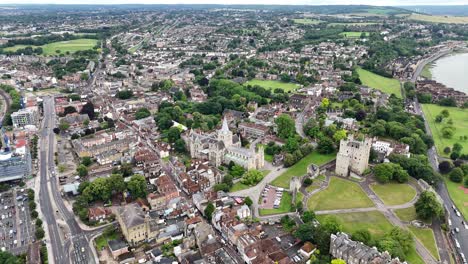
<point x="375" y="81"/>
<point x="63" y="47"/>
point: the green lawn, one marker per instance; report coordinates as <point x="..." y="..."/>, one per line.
<point x="459" y="197"/>
<point x="299" y="197"/>
<point x="460" y="123"/>
<point x="300" y="168"/>
<point x="413" y="257"/>
<point x="307" y="21"/>
<point x="351" y="24"/>
<point x="386" y="85"/>
<point x="353" y="34"/>
<point x="394" y="193"/>
<point x="101" y="241"/>
<point x="426" y="72"/>
<point x="426" y="237"/>
<point x="64" y="46"/>
<point x="406" y="214"/>
<point x="271" y="84"/>
<point x="240" y="186"/>
<point x="373" y="221"/>
<point x="285" y="206"/>
<point x="340" y="194"/>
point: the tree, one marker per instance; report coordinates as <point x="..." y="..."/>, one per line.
<point x="308" y="216"/>
<point x="236" y="171"/>
<point x="383" y="172"/>
<point x="142" y="113"/>
<point x="339" y="135"/>
<point x="63" y="125"/>
<point x="447" y="150"/>
<point x="330" y="224"/>
<point x="427" y="206"/>
<point x="456" y="175"/>
<point x="291" y="145"/>
<point x="88" y="109"/>
<point x="445" y="166"/>
<point x="325" y="145"/>
<point x="286" y="126"/>
<point x="117" y="183"/>
<point x="252" y="177"/>
<point x="325" y="103"/>
<point x="338" y="261"/>
<point x="137" y="186"/>
<point x="457" y="147"/>
<point x="124" y="94"/>
<point x="209" y="210"/>
<point x="173" y="134"/>
<point x="126" y="169"/>
<point x="362" y="235"/>
<point x="39" y="233"/>
<point x="82" y="170"/>
<point x="87" y="161"/>
<point x="248" y="201"/>
<point x="69" y="110"/>
<point x="465" y="183"/>
<point x="179" y="145"/>
<point x="445" y="113"/>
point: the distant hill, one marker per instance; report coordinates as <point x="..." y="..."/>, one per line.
<point x="319" y="9"/>
<point x="455" y="10"/>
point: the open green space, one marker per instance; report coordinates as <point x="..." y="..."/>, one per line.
<point x="101" y="241"/>
<point x="307" y="21"/>
<point x="459" y="118"/>
<point x="426" y="72"/>
<point x="426" y="237"/>
<point x="354" y="24"/>
<point x="63" y="46"/>
<point x="340" y="194"/>
<point x="458" y="195"/>
<point x="271" y="84"/>
<point x="373" y="221"/>
<point x="285" y="206"/>
<point x="394" y="193"/>
<point x="384" y="84"/>
<point x="412" y="257"/>
<point x="439" y="19"/>
<point x="238" y="186"/>
<point x="300" y="168"/>
<point x="406" y="214"/>
<point x="353" y="34"/>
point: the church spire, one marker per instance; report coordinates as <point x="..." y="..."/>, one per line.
<point x="225" y="127"/>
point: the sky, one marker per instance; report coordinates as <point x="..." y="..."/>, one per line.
<point x="260" y="2"/>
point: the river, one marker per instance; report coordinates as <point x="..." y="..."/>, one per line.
<point x="452" y="70"/>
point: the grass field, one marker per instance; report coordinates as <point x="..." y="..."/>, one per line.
<point x="353" y="34"/>
<point x="458" y="196"/>
<point x="413" y="257"/>
<point x="426" y="237"/>
<point x="406" y="214"/>
<point x="439" y="19"/>
<point x="386" y="85"/>
<point x="351" y="24"/>
<point x="394" y="193"/>
<point x="340" y="194"/>
<point x="285" y="206"/>
<point x="240" y="186"/>
<point x="307" y="21"/>
<point x="460" y="122"/>
<point x="64" y="46"/>
<point x="300" y="168"/>
<point x="373" y="221"/>
<point x="269" y="84"/>
<point x="426" y="72"/>
<point x="101" y="241"/>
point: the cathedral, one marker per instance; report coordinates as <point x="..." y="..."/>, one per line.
<point x="224" y="147"/>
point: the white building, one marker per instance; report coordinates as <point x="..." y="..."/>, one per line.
<point x="24" y="117"/>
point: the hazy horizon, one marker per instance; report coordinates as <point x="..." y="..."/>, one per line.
<point x="241" y="2"/>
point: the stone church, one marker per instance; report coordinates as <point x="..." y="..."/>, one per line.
<point x="223" y="147"/>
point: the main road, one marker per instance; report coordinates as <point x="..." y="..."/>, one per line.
<point x="69" y="242"/>
<point x="456" y="221"/>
